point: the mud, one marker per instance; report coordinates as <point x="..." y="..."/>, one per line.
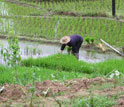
<point x="63" y="91"/>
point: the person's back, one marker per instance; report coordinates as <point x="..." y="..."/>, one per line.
<point x="73" y="41"/>
<point x="76" y="39"/>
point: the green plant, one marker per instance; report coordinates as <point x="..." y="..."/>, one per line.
<point x="69" y="49"/>
<point x="61" y="63"/>
<point x="12" y="53"/>
<point x="70" y="64"/>
<point x="117" y="76"/>
<point x="94" y="101"/>
<point x="92" y="40"/>
<point x="87" y="40"/>
<point x="32" y="89"/>
<point x="57" y="101"/>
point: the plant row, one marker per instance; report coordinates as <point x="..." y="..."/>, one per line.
<point x="85" y="7"/>
<point x="71" y="64"/>
<point x="8" y="9"/>
<point x="56" y="27"/>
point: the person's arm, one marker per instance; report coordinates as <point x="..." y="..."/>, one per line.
<point x="62" y="48"/>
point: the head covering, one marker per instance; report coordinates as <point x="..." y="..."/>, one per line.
<point x="65" y="40"/>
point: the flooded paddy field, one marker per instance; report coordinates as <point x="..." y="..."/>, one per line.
<point x="35" y="49"/>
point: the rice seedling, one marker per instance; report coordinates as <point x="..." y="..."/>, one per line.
<point x="70" y="63"/>
<point x="50" y="29"/>
<point x="17" y="17"/>
<point x="16" y="9"/>
<point x="89" y="8"/>
<point x="60" y="62"/>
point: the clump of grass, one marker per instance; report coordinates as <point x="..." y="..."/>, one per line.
<point x="41" y="74"/>
<point x="89" y="40"/>
<point x="95" y="101"/>
<point x="70" y="63"/>
<point x="61" y="63"/>
<point x="110" y="65"/>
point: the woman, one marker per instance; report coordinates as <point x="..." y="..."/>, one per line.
<point x="74" y="41"/>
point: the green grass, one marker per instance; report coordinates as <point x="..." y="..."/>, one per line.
<point x="58" y="67"/>
<point x="103" y="86"/>
<point x="61" y="63"/>
<point x="110" y="65"/>
<point x="26" y="75"/>
<point x="8" y="9"/>
<point x="94" y="101"/>
<point x="56" y="27"/>
<point x="86" y="8"/>
<point x="70" y="63"/>
<point x="64" y="67"/>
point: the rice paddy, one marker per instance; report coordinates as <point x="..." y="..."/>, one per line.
<point x="62" y="78"/>
<point x="55" y="27"/>
<point x="83" y="7"/>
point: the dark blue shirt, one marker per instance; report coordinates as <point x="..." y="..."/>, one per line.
<point x="75" y="43"/>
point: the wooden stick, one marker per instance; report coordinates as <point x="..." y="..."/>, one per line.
<point x="112" y="47"/>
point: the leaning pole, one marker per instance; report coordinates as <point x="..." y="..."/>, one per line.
<point x="112" y="47"/>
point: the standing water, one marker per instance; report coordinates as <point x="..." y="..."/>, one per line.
<point x="35" y="49"/>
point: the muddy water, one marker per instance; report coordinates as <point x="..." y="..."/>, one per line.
<point x="35" y="49"/>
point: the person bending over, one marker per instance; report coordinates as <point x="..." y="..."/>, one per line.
<point x="74" y="41"/>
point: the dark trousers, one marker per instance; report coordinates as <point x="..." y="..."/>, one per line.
<point x="78" y="45"/>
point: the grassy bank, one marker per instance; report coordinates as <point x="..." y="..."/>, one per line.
<point x="64" y="67"/>
<point x="28" y="74"/>
<point x="70" y="63"/>
<point x="57" y="67"/>
<point x="61" y="63"/>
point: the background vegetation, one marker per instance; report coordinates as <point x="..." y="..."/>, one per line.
<point x="70" y="63"/>
<point x="54" y="19"/>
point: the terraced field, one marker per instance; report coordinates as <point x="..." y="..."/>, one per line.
<point x="60" y="80"/>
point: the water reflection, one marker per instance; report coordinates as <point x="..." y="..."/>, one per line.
<point x="34" y="49"/>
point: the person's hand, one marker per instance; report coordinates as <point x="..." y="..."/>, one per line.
<point x="61" y="51"/>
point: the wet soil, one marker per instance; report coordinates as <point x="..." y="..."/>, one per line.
<point x="53" y="91"/>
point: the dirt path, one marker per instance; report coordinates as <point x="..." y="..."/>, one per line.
<point x="52" y="92"/>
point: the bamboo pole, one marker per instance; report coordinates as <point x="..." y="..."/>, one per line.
<point x="112" y="47"/>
